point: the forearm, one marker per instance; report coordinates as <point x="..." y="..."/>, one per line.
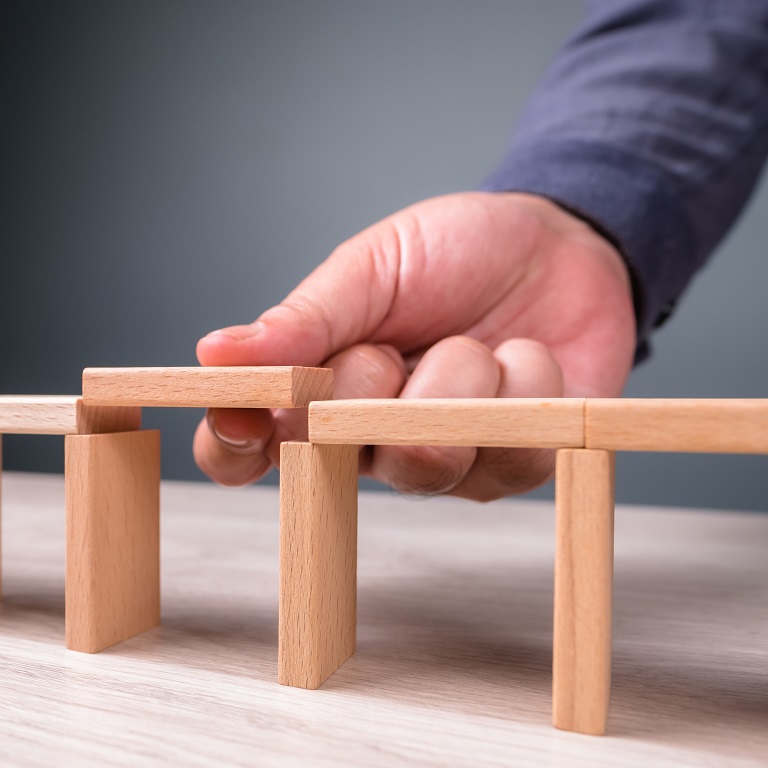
<point x="652" y="124"/>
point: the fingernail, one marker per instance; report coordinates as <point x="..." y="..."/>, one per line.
<point x="246" y="446"/>
<point x="238" y="332"/>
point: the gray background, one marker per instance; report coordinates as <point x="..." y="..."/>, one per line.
<point x="173" y="167"/>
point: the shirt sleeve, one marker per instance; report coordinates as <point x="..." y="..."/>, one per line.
<point x="651" y="124"/>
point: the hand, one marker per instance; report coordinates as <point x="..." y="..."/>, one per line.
<point x="469" y="295"/>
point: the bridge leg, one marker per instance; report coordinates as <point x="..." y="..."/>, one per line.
<point x="113" y="537"/>
<point x="318" y="561"/>
<point x="1" y="512"/>
<point x="581" y="669"/>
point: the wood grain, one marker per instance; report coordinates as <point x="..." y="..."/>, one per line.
<point x="113" y="537"/>
<point x="703" y="426"/>
<point x="581" y="666"/>
<point x="519" y="422"/>
<point x="62" y="415"/>
<point x="96" y="420"/>
<point x="453" y="659"/>
<point x="219" y="387"/>
<point x="318" y="561"/>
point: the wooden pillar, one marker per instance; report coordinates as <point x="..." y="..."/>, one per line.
<point x="583" y="590"/>
<point x="1" y="514"/>
<point x="113" y="537"/>
<point x="318" y="561"/>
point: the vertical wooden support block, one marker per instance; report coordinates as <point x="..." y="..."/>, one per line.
<point x="1" y="515"/>
<point x="581" y="669"/>
<point x="318" y="561"/>
<point x="113" y="537"/>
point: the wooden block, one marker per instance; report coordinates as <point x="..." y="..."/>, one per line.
<point x="214" y="387"/>
<point x="113" y="537"/>
<point x="1" y="510"/>
<point x="513" y="422"/>
<point x="96" y="420"/>
<point x="62" y="415"/>
<point x="581" y="668"/>
<point x="696" y="426"/>
<point x="318" y="561"/>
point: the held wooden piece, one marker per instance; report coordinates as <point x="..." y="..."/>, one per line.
<point x="62" y="415"/>
<point x="214" y="387"/>
<point x="703" y="426"/>
<point x="113" y="537"/>
<point x="513" y="422"/>
<point x="318" y="561"/>
<point x="581" y="668"/>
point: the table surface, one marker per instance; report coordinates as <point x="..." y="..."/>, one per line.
<point x="453" y="666"/>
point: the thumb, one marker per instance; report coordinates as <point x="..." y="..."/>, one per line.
<point x="341" y="303"/>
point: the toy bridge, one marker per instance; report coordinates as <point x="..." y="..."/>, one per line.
<point x="112" y="477"/>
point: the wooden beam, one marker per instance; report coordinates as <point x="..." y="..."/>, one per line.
<point x="62" y="415"/>
<point x="513" y="422"/>
<point x="214" y="387"/>
<point x="113" y="537"/>
<point x="695" y="426"/>
<point x="581" y="668"/>
<point x="318" y="561"/>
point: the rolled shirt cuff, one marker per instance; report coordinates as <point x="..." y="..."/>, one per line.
<point x="627" y="200"/>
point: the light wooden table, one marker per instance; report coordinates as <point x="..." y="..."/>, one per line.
<point x="454" y="647"/>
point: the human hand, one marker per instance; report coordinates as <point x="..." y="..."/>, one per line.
<point x="468" y="295"/>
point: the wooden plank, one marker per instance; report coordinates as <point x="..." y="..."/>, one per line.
<point x="318" y="561"/>
<point x="62" y="415"/>
<point x="113" y="537"/>
<point x="38" y="414"/>
<point x="513" y="422"/>
<point x="581" y="666"/>
<point x="219" y="387"/>
<point x="696" y="426"/>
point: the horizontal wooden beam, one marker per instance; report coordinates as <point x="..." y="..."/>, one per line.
<point x="499" y="422"/>
<point x="62" y="415"/>
<point x="218" y="387"/>
<point x="677" y="425"/>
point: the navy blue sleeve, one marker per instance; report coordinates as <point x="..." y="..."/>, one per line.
<point x="652" y="124"/>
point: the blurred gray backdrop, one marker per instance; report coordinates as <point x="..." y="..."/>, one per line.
<point x="172" y="167"/>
